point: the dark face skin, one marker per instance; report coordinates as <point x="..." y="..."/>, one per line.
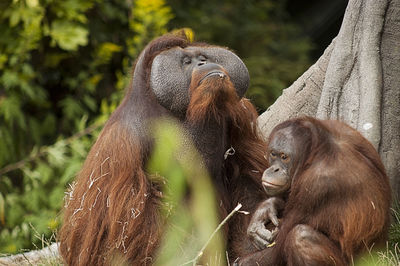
<point x="282" y="158"/>
<point x="173" y="70"/>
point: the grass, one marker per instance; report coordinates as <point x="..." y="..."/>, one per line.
<point x="390" y="256"/>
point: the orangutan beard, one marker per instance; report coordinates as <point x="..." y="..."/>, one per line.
<point x="214" y="99"/>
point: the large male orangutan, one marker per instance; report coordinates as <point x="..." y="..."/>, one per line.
<point x="114" y="207"/>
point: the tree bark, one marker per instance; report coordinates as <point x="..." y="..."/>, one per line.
<point x="356" y="80"/>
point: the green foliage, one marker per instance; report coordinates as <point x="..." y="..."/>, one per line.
<point x="68" y="35"/>
<point x="259" y="32"/>
<point x="176" y="163"/>
<point x="394" y="230"/>
<point x="149" y="10"/>
<point x="63" y="67"/>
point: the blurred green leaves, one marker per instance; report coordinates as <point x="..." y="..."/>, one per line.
<point x="68" y="35"/>
<point x="189" y="200"/>
<point x="260" y="32"/>
<point x="63" y="68"/>
<point x="144" y="24"/>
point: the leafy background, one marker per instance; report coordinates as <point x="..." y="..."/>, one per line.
<point x="64" y="66"/>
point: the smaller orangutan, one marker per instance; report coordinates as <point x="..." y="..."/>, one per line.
<point x="330" y="186"/>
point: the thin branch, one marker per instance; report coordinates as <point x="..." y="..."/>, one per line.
<point x="27" y="259"/>
<point x="193" y="261"/>
<point x="43" y="150"/>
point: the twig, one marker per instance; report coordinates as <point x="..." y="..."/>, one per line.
<point x="227" y="258"/>
<point x="193" y="261"/>
<point x="27" y="259"/>
<point x="43" y="150"/>
<point x="20" y="164"/>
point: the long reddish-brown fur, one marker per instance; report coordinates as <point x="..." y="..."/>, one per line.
<point x="341" y="190"/>
<point x="113" y="209"/>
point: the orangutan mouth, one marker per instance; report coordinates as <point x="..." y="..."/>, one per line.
<point x="213" y="73"/>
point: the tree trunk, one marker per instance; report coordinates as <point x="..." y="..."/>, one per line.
<point x="356" y="80"/>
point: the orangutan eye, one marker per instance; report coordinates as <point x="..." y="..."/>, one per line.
<point x="202" y="58"/>
<point x="273" y="155"/>
<point x="187" y="60"/>
<point x="285" y="158"/>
